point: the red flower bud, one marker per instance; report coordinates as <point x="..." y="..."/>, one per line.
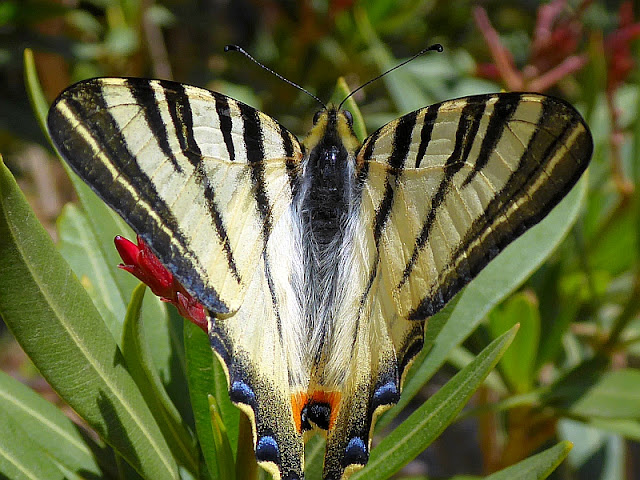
<point x="141" y="262"/>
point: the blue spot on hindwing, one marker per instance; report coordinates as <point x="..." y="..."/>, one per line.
<point x="240" y="392"/>
<point x="386" y="394"/>
<point x="356" y="452"/>
<point x="267" y="450"/>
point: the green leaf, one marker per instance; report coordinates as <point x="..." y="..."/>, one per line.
<point x="51" y="430"/>
<point x="628" y="428"/>
<point x="595" y="393"/>
<point x="518" y="362"/>
<point x="205" y="376"/>
<point x="597" y="454"/>
<point x="501" y="277"/>
<point x="572" y="385"/>
<point x="141" y="368"/>
<point x="34" y="90"/>
<point x="314" y="458"/>
<point x="166" y="345"/>
<point x="57" y="325"/>
<point x="340" y="93"/>
<point x="226" y="466"/>
<point x="246" y="464"/>
<point x="416" y="433"/>
<point x="21" y="458"/>
<point x="537" y="467"/>
<point x="78" y="246"/>
<point x="556" y="323"/>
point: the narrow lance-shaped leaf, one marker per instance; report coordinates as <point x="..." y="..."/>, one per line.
<point x="518" y="362"/>
<point x="313" y="457"/>
<point x="537" y="467"/>
<point x="78" y="245"/>
<point x="21" y="457"/>
<point x="590" y="391"/>
<point x="428" y="421"/>
<point x="246" y="464"/>
<point x="140" y="365"/>
<point x="51" y="430"/>
<point x="226" y="466"/>
<point x="57" y="325"/>
<point x="205" y="376"/>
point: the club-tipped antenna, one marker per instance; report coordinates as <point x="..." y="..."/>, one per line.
<point x="238" y="48"/>
<point x="435" y="46"/>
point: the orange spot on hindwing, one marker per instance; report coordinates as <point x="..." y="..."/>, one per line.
<point x="298" y="402"/>
<point x="316" y="409"/>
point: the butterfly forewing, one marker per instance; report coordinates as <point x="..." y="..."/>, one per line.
<point x="479" y="171"/>
<point x="175" y="161"/>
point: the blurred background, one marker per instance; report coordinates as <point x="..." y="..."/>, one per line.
<point x="583" y="304"/>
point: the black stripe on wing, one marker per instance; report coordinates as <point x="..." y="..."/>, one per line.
<point x="226" y="124"/>
<point x="254" y="143"/>
<point x="145" y="96"/>
<point x="400" y="149"/>
<point x="87" y="105"/>
<point x="426" y="131"/>
<point x="466" y="132"/>
<point x="292" y="163"/>
<point x="557" y="123"/>
<point x="182" y="117"/>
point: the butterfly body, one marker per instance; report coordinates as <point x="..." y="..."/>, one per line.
<point x="318" y="261"/>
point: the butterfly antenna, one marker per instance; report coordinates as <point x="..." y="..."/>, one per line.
<point x="237" y="48"/>
<point x="435" y="46"/>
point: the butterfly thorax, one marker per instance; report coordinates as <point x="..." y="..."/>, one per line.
<point x="325" y="197"/>
<point x="326" y="203"/>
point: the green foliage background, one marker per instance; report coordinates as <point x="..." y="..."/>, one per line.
<point x="571" y="373"/>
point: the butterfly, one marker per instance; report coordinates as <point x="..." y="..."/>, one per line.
<point x="318" y="261"/>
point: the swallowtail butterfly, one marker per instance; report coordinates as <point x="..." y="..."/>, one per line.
<point x="318" y="262"/>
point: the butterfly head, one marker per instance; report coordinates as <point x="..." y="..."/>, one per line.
<point x="332" y="126"/>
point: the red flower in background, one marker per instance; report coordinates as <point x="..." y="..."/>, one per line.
<point x="141" y="262"/>
<point x="617" y="47"/>
<point x="553" y="49"/>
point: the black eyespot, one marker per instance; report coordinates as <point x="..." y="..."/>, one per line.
<point x="320" y="414"/>
<point x="316" y="116"/>
<point x="347" y="114"/>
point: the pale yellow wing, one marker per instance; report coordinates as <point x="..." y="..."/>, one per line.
<point x="200" y="176"/>
<point x="444" y="190"/>
<point x="207" y="182"/>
